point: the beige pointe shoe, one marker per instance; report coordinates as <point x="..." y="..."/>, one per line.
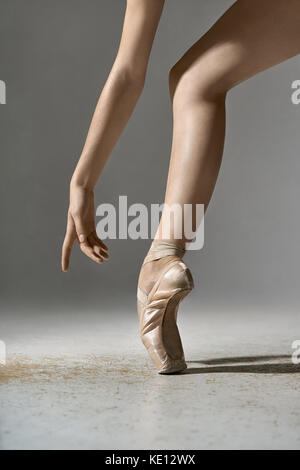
<point x="158" y="310"/>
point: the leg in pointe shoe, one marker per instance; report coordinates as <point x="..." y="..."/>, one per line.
<point x="168" y="282"/>
<point x="250" y="37"/>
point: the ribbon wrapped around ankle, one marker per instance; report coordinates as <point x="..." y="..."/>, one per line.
<point x="161" y="248"/>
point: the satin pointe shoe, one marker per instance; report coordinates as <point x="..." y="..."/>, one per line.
<point x="158" y="310"/>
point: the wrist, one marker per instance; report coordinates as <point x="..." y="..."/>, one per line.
<point x="78" y="182"/>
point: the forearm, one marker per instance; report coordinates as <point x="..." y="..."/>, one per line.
<point x="121" y="91"/>
<point x="115" y="106"/>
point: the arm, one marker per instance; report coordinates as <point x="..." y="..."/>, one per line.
<point x="115" y="106"/>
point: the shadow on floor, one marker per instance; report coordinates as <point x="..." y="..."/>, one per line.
<point x="220" y="365"/>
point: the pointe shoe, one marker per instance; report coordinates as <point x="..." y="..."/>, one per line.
<point x="158" y="310"/>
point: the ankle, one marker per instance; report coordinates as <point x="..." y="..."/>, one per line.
<point x="178" y="242"/>
<point x="161" y="248"/>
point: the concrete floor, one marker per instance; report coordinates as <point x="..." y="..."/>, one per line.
<point x="83" y="381"/>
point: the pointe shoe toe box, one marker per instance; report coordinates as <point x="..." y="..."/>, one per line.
<point x="173" y="367"/>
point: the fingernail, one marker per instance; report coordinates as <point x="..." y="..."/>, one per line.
<point x="81" y="238"/>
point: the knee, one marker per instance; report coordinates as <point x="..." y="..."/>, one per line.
<point x="175" y="74"/>
<point x="197" y="82"/>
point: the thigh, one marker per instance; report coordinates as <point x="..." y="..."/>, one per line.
<point x="252" y="36"/>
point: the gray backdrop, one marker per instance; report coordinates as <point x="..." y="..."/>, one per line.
<point x="55" y="57"/>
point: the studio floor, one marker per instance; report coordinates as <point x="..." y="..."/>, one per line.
<point x="80" y="380"/>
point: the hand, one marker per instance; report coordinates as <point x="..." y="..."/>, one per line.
<point x="81" y="227"/>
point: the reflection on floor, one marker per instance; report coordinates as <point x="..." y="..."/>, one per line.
<point x="83" y="381"/>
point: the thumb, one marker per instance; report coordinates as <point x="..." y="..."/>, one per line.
<point x="82" y="237"/>
<point x="81" y="230"/>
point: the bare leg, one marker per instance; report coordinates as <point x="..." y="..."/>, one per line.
<point x="252" y="36"/>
